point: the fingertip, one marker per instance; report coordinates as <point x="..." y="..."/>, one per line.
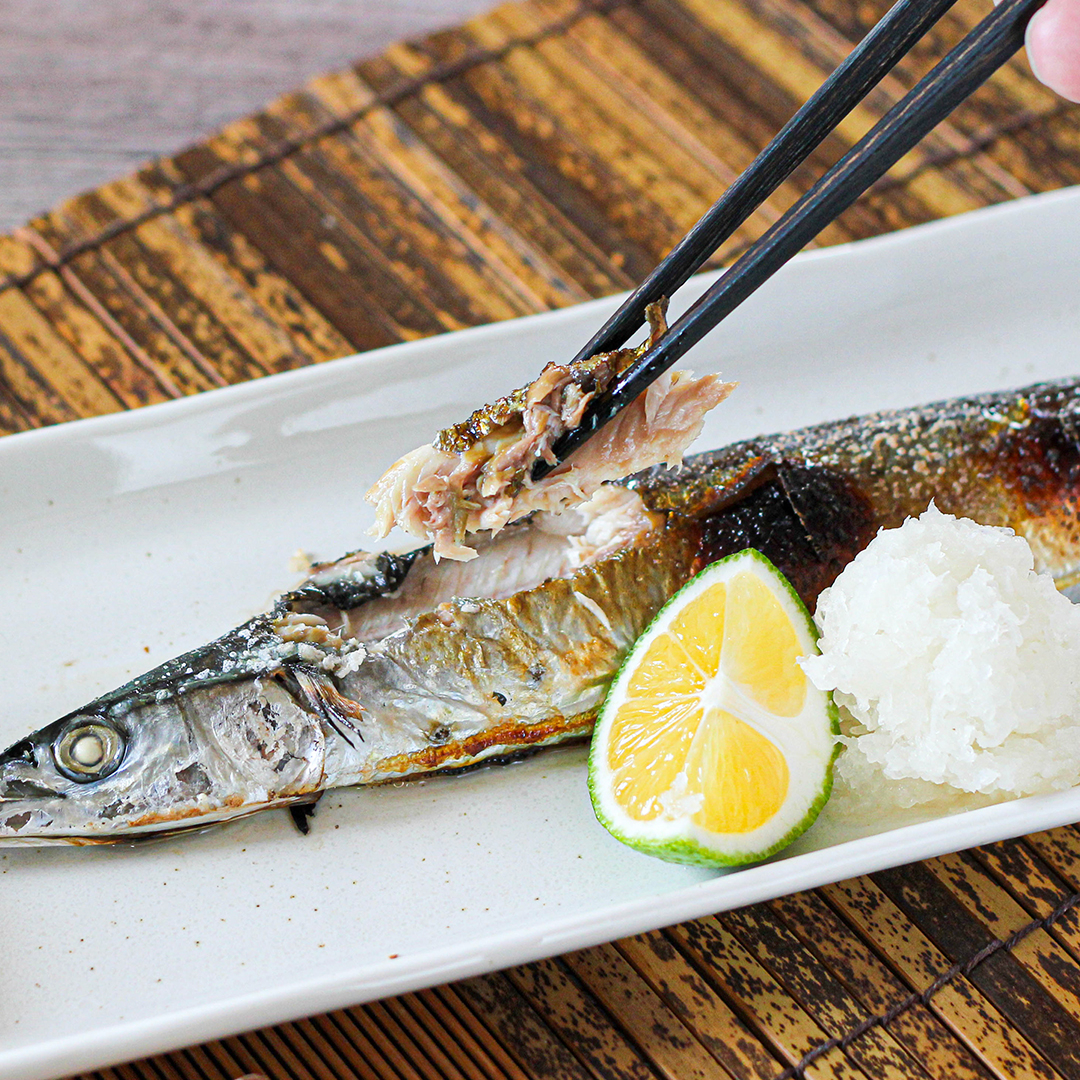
<point x="1053" y="46"/>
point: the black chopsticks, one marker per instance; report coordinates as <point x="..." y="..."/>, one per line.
<point x="967" y="66"/>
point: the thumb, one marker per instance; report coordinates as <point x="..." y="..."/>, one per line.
<point x="1053" y="46"/>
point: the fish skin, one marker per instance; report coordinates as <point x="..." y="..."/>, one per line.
<point x="253" y="720"/>
<point x="811" y="499"/>
<point x="249" y="722"/>
<point x="500" y="675"/>
<point x="592" y="373"/>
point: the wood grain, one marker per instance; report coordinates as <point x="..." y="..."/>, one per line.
<point x="88" y="91"/>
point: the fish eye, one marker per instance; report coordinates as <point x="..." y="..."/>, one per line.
<point x="88" y="750"/>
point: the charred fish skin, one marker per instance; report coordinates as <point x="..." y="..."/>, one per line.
<point x="305" y="698"/>
<point x="811" y="499"/>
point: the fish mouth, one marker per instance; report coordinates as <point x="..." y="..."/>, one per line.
<point x="29" y="801"/>
<point x="18" y="791"/>
<point x="29" y="819"/>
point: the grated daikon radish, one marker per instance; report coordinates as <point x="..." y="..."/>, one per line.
<point x="956" y="663"/>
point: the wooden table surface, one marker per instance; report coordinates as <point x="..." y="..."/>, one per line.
<point x="90" y="90"/>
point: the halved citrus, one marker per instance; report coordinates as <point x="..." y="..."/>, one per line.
<point x="712" y="747"/>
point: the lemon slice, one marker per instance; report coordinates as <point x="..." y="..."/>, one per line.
<point x="712" y="746"/>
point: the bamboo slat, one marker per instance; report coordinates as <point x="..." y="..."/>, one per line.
<point x="775" y="1016"/>
<point x="549" y="152"/>
<point x="714" y="1023"/>
<point x="915" y="958"/>
<point x="943" y="916"/>
<point x="874" y="985"/>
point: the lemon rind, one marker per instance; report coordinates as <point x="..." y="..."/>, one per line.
<point x="682" y="840"/>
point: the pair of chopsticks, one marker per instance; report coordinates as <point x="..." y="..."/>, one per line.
<point x="963" y="69"/>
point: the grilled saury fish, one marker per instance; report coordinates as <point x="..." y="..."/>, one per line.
<point x="384" y="666"/>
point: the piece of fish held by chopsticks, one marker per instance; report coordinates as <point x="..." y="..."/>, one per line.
<point x="383" y="666"/>
<point x="476" y="476"/>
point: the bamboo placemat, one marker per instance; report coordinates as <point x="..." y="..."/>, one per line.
<point x="545" y="153"/>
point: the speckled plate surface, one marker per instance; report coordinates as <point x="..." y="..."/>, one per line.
<point x="129" y="538"/>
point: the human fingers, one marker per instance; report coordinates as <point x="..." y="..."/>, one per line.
<point x="1053" y="46"/>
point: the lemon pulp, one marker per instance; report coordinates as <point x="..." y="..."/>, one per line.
<point x="712" y="746"/>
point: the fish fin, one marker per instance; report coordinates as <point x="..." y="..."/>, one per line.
<point x="316" y="693"/>
<point x="302" y="813"/>
<point x="698" y="491"/>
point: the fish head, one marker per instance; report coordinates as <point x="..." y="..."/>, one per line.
<point x="171" y="751"/>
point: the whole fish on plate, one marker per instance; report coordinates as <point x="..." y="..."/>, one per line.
<point x="385" y="666"/>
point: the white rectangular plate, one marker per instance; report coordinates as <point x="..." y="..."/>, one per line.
<point x="129" y="538"/>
